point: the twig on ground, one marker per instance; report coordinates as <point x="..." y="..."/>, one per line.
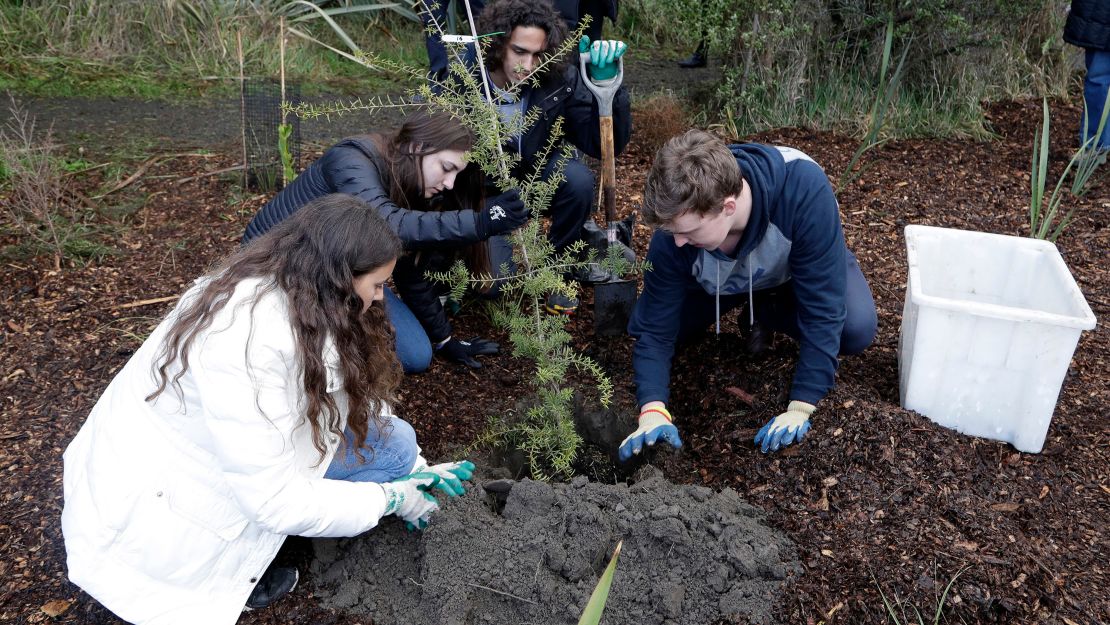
<point x="500" y="592"/>
<point x="147" y="302"/>
<point x="209" y="173"/>
<point x="147" y="164"/>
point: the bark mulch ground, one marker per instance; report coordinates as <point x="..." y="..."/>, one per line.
<point x="876" y="497"/>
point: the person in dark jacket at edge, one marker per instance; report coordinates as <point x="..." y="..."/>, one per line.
<point x="531" y="29"/>
<point x="418" y="179"/>
<point x="433" y="14"/>
<point x="744" y="224"/>
<point x="1088" y="26"/>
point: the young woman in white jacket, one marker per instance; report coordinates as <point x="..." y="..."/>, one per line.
<point x="218" y="438"/>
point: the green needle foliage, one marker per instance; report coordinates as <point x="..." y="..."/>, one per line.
<point x="544" y="430"/>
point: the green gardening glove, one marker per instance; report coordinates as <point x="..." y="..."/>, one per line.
<point x="451" y="474"/>
<point x="604" y="57"/>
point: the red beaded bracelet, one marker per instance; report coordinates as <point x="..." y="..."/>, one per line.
<point x="662" y="411"/>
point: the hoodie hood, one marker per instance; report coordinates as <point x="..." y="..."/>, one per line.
<point x="764" y="171"/>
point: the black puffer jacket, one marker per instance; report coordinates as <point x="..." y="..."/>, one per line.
<point x="1088" y="24"/>
<point x="353" y="166"/>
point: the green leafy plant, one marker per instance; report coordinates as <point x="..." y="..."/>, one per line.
<point x="544" y="429"/>
<point x="898" y="610"/>
<point x="1044" y="217"/>
<point x="884" y="94"/>
<point x="596" y="605"/>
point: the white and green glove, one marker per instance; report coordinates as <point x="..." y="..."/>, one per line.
<point x="409" y="498"/>
<point x="787" y="428"/>
<point x="451" y="474"/>
<point x="604" y="58"/>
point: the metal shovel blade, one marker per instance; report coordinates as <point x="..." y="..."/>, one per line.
<point x="613" y="303"/>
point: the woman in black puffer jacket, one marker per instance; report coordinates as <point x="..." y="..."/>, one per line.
<point x="418" y="179"/>
<point x="1088" y="27"/>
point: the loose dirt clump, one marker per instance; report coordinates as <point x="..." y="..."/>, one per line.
<point x="690" y="556"/>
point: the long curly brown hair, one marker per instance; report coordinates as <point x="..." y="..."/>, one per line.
<point x="312" y="258"/>
<point x="504" y="15"/>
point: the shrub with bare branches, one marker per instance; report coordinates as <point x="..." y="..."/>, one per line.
<point x="33" y="186"/>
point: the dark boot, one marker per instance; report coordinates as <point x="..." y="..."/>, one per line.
<point x="697" y="59"/>
<point x="759" y="338"/>
<point x="276" y="582"/>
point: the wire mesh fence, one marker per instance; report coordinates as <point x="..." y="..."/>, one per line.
<point x="260" y="106"/>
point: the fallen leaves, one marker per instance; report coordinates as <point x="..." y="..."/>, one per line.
<point x="56" y="607"/>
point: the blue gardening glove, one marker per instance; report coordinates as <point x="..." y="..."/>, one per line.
<point x="604" y="57"/>
<point x="409" y="498"/>
<point x="451" y="474"/>
<point x="465" y="351"/>
<point x="787" y="428"/>
<point x="655" y="424"/>
<point x="501" y="214"/>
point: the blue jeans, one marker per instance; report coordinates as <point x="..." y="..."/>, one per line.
<point x="777" y="309"/>
<point x="414" y="348"/>
<point x="1095" y="86"/>
<point x="388" y="455"/>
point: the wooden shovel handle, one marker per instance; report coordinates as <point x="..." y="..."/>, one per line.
<point x="608" y="169"/>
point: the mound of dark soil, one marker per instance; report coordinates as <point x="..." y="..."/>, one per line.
<point x="690" y="556"/>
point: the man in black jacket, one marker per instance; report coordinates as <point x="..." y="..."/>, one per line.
<point x="1088" y="27"/>
<point x="531" y="29"/>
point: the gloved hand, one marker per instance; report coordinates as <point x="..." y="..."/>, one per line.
<point x="465" y="351"/>
<point x="408" y="498"/>
<point x="604" y="57"/>
<point x="502" y="213"/>
<point x="451" y="474"/>
<point x="786" y="428"/>
<point x="655" y="424"/>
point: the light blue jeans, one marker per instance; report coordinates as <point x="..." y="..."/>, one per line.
<point x="414" y="348"/>
<point x="388" y="455"/>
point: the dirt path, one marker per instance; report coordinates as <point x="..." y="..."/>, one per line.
<point x="102" y="124"/>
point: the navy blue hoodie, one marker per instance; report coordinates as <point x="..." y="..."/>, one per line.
<point x="793" y="235"/>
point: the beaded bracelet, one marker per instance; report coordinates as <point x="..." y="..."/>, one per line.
<point x="662" y="411"/>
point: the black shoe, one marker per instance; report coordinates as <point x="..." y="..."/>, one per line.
<point x="759" y="338"/>
<point x="559" y="304"/>
<point x="276" y="582"/>
<point x="697" y="59"/>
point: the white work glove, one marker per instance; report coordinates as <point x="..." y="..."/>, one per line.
<point x="654" y="424"/>
<point x="451" y="474"/>
<point x="410" y="500"/>
<point x="787" y="428"/>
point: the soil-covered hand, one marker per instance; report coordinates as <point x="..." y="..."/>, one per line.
<point x="452" y="475"/>
<point x="409" y="499"/>
<point x="787" y="428"/>
<point x="465" y="351"/>
<point x="654" y="425"/>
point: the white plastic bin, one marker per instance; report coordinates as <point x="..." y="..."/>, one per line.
<point x="988" y="330"/>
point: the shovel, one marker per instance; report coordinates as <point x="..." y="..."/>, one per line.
<point x="613" y="297"/>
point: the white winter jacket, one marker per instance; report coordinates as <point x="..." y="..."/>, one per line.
<point x="174" y="509"/>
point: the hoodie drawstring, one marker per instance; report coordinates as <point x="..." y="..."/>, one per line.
<point x="718" y="298"/>
<point x="751" y="298"/>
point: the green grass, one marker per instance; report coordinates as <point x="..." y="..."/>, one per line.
<point x="155" y="50"/>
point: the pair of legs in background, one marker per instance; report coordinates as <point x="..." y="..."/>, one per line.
<point x="776" y="309"/>
<point x="570" y="208"/>
<point x="1095" y="87"/>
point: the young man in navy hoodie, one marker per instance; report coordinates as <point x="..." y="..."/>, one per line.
<point x="739" y="224"/>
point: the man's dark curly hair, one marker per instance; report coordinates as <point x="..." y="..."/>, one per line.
<point x="505" y="15"/>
